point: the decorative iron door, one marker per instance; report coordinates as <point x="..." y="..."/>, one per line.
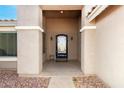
<point x="62" y="46"/>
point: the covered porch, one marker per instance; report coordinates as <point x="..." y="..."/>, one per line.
<point x="70" y="68"/>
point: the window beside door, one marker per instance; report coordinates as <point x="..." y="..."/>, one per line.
<point x="8" y="44"/>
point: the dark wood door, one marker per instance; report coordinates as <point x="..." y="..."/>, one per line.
<point x="62" y="46"/>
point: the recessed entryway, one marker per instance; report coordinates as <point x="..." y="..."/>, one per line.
<point x="61" y="42"/>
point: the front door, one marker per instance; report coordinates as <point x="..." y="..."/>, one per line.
<point x="61" y="46"/>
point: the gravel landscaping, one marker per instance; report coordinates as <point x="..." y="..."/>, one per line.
<point x="10" y="79"/>
<point x="89" y="82"/>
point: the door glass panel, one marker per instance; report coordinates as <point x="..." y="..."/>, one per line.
<point x="61" y="44"/>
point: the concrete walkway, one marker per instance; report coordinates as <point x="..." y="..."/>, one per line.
<point x="70" y="68"/>
<point x="61" y="82"/>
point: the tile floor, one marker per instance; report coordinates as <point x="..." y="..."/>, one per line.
<point x="70" y="68"/>
<point x="61" y="82"/>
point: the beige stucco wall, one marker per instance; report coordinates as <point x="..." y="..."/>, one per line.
<point x="84" y="20"/>
<point x="28" y="52"/>
<point x="69" y="26"/>
<point x="82" y="51"/>
<point x="88" y="44"/>
<point x="29" y="40"/>
<point x="110" y="46"/>
<point x="41" y="56"/>
<point x="44" y="38"/>
<point x="30" y="15"/>
<point x="89" y="51"/>
<point x="8" y="65"/>
<point x="79" y="39"/>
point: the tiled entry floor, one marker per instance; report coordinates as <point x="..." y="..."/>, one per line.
<point x="70" y="68"/>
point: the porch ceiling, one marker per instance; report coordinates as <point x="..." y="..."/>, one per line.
<point x="66" y="13"/>
<point x="61" y="7"/>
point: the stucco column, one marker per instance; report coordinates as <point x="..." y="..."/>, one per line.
<point x="29" y="51"/>
<point x="29" y="40"/>
<point x="88" y="43"/>
<point x="88" y="51"/>
<point x="82" y="51"/>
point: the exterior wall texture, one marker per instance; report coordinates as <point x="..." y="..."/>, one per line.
<point x="88" y="45"/>
<point x="110" y="46"/>
<point x="41" y="56"/>
<point x="82" y="51"/>
<point x="29" y="40"/>
<point x="89" y="51"/>
<point x="28" y="52"/>
<point x="69" y="26"/>
<point x="29" y="15"/>
<point x="8" y="64"/>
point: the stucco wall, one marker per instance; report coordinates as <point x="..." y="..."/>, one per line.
<point x="110" y="46"/>
<point x="79" y="40"/>
<point x="88" y="51"/>
<point x="8" y="65"/>
<point x="69" y="26"/>
<point x="30" y="15"/>
<point x="41" y="55"/>
<point x="84" y="20"/>
<point x="82" y="51"/>
<point x="29" y="40"/>
<point x="88" y="44"/>
<point x="28" y="52"/>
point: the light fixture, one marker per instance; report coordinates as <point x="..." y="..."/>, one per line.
<point x="51" y="38"/>
<point x="71" y="37"/>
<point x="61" y="12"/>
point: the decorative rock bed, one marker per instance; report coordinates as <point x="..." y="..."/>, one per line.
<point x="89" y="82"/>
<point x="10" y="79"/>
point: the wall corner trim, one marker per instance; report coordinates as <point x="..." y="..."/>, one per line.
<point x="97" y="11"/>
<point x="87" y="27"/>
<point x="29" y="27"/>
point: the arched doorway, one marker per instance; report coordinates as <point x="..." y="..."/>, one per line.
<point x="61" y="47"/>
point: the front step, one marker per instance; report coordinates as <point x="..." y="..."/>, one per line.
<point x="61" y="82"/>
